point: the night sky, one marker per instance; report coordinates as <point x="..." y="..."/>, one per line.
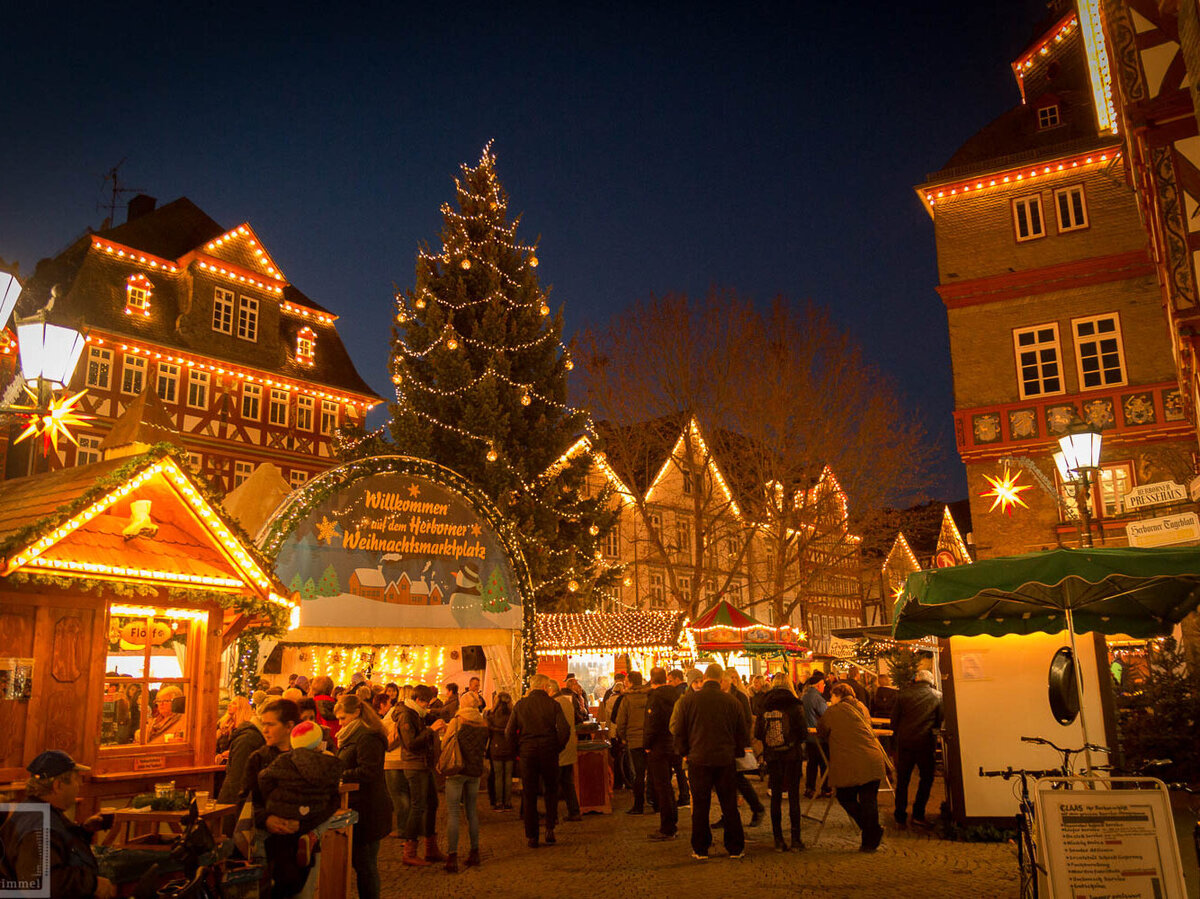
<point x="770" y="148"/>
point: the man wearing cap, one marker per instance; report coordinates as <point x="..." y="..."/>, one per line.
<point x="54" y="781"/>
<point x="915" y="719"/>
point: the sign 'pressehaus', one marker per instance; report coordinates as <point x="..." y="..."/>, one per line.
<point x="1157" y="494"/>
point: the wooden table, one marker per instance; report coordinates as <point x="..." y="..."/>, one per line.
<point x="126" y="821"/>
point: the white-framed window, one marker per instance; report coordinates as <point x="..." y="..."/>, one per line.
<point x="1027" y="217"/>
<point x="329" y="417"/>
<point x="1072" y="208"/>
<point x="688" y="478"/>
<point x="241" y="471"/>
<point x="88" y="451"/>
<point x="1039" y="372"/>
<point x="137" y="299"/>
<point x="306" y="346"/>
<point x="223" y="310"/>
<point x="251" y="402"/>
<point x="683" y="536"/>
<point x="1099" y="352"/>
<point x="1048" y="116"/>
<point x="247" y="328"/>
<point x="297" y="478"/>
<point x="610" y="542"/>
<point x="133" y="374"/>
<point x="1115" y="481"/>
<point x="279" y="407"/>
<point x="304" y="413"/>
<point x="167" y="383"/>
<point x="685" y="588"/>
<point x="197" y="396"/>
<point x="658" y="593"/>
<point x="99" y="367"/>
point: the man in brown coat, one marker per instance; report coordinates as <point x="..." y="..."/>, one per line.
<point x="631" y="728"/>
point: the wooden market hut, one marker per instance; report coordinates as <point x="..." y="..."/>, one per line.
<point x="621" y="639"/>
<point x="122" y="580"/>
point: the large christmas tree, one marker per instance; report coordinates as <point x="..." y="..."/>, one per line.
<point x="481" y="387"/>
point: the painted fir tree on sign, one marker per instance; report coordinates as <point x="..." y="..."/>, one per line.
<point x="481" y="387"/>
<point x="495" y="594"/>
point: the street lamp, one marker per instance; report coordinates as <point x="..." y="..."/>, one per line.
<point x="48" y="356"/>
<point x="1077" y="458"/>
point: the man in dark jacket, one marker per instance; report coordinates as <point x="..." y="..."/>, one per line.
<point x="54" y="783"/>
<point x="915" y="719"/>
<point x="814" y="703"/>
<point x="781" y="730"/>
<point x="660" y="751"/>
<point x="711" y="732"/>
<point x="854" y="679"/>
<point x="631" y="728"/>
<point x="540" y="730"/>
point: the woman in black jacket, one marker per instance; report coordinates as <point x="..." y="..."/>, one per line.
<point x="245" y="738"/>
<point x="362" y="745"/>
<point x="501" y="752"/>
<point x="782" y="731"/>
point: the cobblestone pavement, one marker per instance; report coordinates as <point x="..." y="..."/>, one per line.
<point x="609" y="855"/>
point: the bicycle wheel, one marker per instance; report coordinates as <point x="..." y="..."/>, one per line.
<point x="1026" y="860"/>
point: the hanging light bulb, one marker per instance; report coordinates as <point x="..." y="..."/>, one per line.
<point x="492" y="455"/>
<point x="466" y="264"/>
<point x="594" y="530"/>
<point x="526" y="399"/>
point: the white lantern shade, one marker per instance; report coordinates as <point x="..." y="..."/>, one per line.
<point x="10" y="289"/>
<point x="1064" y="473"/>
<point x="49" y="352"/>
<point x="1081" y="450"/>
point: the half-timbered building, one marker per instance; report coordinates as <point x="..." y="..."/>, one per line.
<point x="1053" y="301"/>
<point x="247" y="367"/>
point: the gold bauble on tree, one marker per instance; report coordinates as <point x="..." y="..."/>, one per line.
<point x="544" y="309"/>
<point x="533" y="262"/>
<point x="526" y="399"/>
<point x="466" y="264"/>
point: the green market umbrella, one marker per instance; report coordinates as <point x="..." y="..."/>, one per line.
<point x="1140" y="592"/>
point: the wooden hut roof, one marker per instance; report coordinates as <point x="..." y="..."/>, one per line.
<point x="567" y="632"/>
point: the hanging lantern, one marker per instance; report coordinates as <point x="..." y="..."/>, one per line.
<point x="492" y="455"/>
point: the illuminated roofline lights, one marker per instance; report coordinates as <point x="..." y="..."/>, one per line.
<point x="123" y="344"/>
<point x="1055" y="35"/>
<point x="1098" y="67"/>
<point x="123" y="252"/>
<point x="217" y="266"/>
<point x="1017" y="175"/>
<point x="158" y="612"/>
<point x="244" y="230"/>
<point x="324" y="318"/>
<point x="86" y="569"/>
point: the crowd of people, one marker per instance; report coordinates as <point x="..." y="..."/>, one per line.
<point x="290" y="751"/>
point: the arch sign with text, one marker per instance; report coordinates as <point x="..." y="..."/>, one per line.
<point x="397" y="542"/>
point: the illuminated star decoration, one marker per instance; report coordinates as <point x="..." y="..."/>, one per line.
<point x="414" y="491"/>
<point x="1005" y="492"/>
<point x="55" y="421"/>
<point x="326" y="529"/>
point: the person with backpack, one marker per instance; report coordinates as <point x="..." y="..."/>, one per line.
<point x="781" y="729"/>
<point x="661" y="755"/>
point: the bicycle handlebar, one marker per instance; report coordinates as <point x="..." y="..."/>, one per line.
<point x="1042" y="741"/>
<point x="1011" y="772"/>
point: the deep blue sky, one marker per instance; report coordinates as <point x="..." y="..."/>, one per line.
<point x="770" y="148"/>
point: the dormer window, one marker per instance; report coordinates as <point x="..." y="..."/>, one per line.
<point x="138" y="291"/>
<point x="306" y="346"/>
<point x="1048" y="117"/>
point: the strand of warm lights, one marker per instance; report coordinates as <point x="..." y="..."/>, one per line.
<point x="242" y="374"/>
<point x="146" y="574"/>
<point x="134" y="255"/>
<point x="243" y="231"/>
<point x="1098" y="67"/>
<point x="1013" y="176"/>
<point x="325" y="318"/>
<point x="149" y="612"/>
<point x="1042" y="48"/>
<point x="138" y="281"/>
<point x="215" y="267"/>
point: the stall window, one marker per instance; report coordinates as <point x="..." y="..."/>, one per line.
<point x="147" y="687"/>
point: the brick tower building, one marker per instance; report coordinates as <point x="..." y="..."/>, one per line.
<point x="1053" y="305"/>
<point x="247" y="368"/>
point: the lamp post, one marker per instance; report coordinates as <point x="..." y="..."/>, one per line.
<point x="48" y="355"/>
<point x="1078" y="457"/>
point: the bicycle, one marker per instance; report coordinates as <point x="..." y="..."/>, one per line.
<point x="1066" y="769"/>
<point x="1028" y="866"/>
<point x="203" y="862"/>
<point x="1193" y="791"/>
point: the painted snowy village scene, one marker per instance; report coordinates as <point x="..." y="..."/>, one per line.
<point x="398" y="551"/>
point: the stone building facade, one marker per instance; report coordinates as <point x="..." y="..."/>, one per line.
<point x="1053" y="303"/>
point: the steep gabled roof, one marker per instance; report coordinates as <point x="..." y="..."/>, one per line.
<point x="169" y="232"/>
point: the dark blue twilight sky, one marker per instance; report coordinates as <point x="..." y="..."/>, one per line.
<point x="766" y="147"/>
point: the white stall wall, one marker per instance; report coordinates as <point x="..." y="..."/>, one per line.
<point x="1000" y="689"/>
